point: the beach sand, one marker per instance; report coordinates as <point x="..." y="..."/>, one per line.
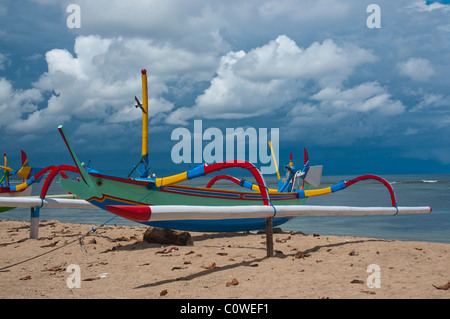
<point x="117" y="263"/>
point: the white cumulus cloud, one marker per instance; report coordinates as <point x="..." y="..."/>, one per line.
<point x="418" y="69"/>
<point x="341" y="116"/>
<point x="16" y="103"/>
<point x="362" y="98"/>
<point x="265" y="78"/>
<point x="102" y="77"/>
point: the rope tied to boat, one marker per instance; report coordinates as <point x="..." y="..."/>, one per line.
<point x="150" y="193"/>
<point x="274" y="209"/>
<point x="268" y="199"/>
<point x="396" y="212"/>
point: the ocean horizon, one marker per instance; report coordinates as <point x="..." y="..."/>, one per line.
<point x="410" y="190"/>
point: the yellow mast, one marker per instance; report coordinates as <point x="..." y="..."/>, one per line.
<point x="274" y="159"/>
<point x="144" y="114"/>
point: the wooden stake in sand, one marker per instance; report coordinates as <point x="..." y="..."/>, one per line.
<point x="34" y="222"/>
<point x="269" y="236"/>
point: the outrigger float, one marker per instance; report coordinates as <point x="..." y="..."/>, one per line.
<point x="165" y="202"/>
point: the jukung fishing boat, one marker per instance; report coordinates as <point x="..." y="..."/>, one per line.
<point x="166" y="202"/>
<point x="29" y="175"/>
<point x="8" y="190"/>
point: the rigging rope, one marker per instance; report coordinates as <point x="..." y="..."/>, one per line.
<point x="79" y="239"/>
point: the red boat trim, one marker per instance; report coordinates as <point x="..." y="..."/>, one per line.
<point x="272" y="197"/>
<point x="202" y="192"/>
<point x="117" y="199"/>
<point x="7" y="189"/>
<point x="375" y="177"/>
<point x="136" y="213"/>
<point x="219" y="177"/>
<point x="220" y="193"/>
<point x="122" y="180"/>
<point x="246" y="165"/>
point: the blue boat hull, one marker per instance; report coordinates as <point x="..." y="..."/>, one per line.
<point x="222" y="225"/>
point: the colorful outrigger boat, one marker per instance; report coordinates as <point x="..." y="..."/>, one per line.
<point x="8" y="190"/>
<point x="104" y="190"/>
<point x="165" y="202"/>
<point x="30" y="176"/>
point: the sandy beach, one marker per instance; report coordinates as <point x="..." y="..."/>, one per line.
<point x="117" y="263"/>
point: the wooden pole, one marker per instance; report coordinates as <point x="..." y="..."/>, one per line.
<point x="269" y="236"/>
<point x="144" y="158"/>
<point x="144" y="113"/>
<point x="34" y="223"/>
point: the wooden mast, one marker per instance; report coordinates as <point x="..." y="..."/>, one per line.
<point x="144" y="155"/>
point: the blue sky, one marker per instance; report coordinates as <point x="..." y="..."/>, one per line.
<point x="361" y="100"/>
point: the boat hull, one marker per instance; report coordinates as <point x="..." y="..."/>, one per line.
<point x="4" y="193"/>
<point x="111" y="190"/>
<point x="221" y="225"/>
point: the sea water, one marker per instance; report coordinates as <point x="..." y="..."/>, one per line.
<point x="410" y="190"/>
